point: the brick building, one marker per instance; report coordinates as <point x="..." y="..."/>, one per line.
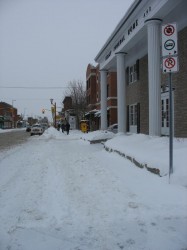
<point x="67" y="103"/>
<point x="133" y="53"/>
<point x="94" y="98"/>
<point x="8" y="116"/>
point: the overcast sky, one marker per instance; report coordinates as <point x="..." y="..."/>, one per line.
<point x="48" y="43"/>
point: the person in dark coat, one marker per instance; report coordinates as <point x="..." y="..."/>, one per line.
<point x="58" y="126"/>
<point x="62" y="127"/>
<point x="67" y="127"/>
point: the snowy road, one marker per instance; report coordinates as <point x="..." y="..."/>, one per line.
<point x="59" y="192"/>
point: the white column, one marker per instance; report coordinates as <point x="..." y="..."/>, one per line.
<point x="121" y="92"/>
<point x="154" y="71"/>
<point x="103" y="99"/>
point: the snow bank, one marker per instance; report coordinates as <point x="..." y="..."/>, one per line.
<point x="150" y="150"/>
<point x="98" y="135"/>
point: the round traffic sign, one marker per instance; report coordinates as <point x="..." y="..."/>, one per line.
<point x="169" y="44"/>
<point x="169" y="63"/>
<point x="169" y="30"/>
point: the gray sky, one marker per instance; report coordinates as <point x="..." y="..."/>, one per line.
<point x="47" y="43"/>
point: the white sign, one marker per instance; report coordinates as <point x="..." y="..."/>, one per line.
<point x="169" y="40"/>
<point x="170" y="64"/>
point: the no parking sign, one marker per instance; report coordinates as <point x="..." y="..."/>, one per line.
<point x="170" y="64"/>
<point x="169" y="48"/>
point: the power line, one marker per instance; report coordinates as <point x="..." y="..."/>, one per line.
<point x="21" y="87"/>
<point x="31" y="99"/>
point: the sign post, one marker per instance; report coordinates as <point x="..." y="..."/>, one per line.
<point x="170" y="126"/>
<point x="170" y="65"/>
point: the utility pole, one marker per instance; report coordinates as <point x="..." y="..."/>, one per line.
<point x="13" y="113"/>
<point x="53" y="113"/>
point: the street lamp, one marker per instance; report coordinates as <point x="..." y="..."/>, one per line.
<point x="54" y="116"/>
<point x="13" y="113"/>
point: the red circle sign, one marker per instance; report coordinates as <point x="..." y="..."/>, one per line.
<point x="169" y="63"/>
<point x="169" y="30"/>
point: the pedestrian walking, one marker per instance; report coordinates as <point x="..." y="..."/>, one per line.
<point x="67" y="127"/>
<point x="58" y="127"/>
<point x="62" y="127"/>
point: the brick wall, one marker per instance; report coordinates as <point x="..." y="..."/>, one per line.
<point x="137" y="92"/>
<point x="144" y="96"/>
<point x="180" y="84"/>
<point x="112" y="116"/>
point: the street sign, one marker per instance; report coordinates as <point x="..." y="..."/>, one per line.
<point x="169" y="40"/>
<point x="170" y="64"/>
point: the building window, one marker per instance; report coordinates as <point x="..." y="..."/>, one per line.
<point x="133" y="73"/>
<point x="87" y="84"/>
<point x="133" y="115"/>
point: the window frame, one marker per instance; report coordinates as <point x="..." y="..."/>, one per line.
<point x="132" y="77"/>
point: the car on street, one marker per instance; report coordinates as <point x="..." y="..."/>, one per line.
<point x="113" y="128"/>
<point x="36" y="129"/>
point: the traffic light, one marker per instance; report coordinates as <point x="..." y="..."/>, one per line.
<point x="43" y="111"/>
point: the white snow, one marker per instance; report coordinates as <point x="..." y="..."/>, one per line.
<point x="59" y="192"/>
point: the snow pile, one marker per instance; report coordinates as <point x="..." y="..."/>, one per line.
<point x="150" y="150"/>
<point x="98" y="135"/>
<point x="52" y="133"/>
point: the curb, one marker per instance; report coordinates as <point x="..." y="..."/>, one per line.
<point x="134" y="161"/>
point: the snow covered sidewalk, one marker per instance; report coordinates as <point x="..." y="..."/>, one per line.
<point x="61" y="193"/>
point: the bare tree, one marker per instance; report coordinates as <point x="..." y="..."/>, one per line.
<point x="77" y="91"/>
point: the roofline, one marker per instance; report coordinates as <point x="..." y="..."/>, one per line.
<point x="129" y="12"/>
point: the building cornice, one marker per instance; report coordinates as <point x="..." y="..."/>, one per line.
<point x="119" y="26"/>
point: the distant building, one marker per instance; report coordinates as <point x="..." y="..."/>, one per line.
<point x="68" y="112"/>
<point x="32" y="120"/>
<point x="67" y="103"/>
<point x="94" y="97"/>
<point x="8" y="116"/>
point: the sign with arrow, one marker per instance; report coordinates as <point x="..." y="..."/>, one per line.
<point x="169" y="40"/>
<point x="170" y="64"/>
<point x="169" y="48"/>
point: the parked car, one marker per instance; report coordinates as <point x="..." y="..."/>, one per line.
<point x="36" y="129"/>
<point x="113" y="128"/>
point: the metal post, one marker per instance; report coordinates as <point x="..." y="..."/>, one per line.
<point x="170" y="127"/>
<point x="55" y="115"/>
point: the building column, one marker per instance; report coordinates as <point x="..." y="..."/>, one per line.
<point x="103" y="74"/>
<point x="154" y="71"/>
<point x="121" y="92"/>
